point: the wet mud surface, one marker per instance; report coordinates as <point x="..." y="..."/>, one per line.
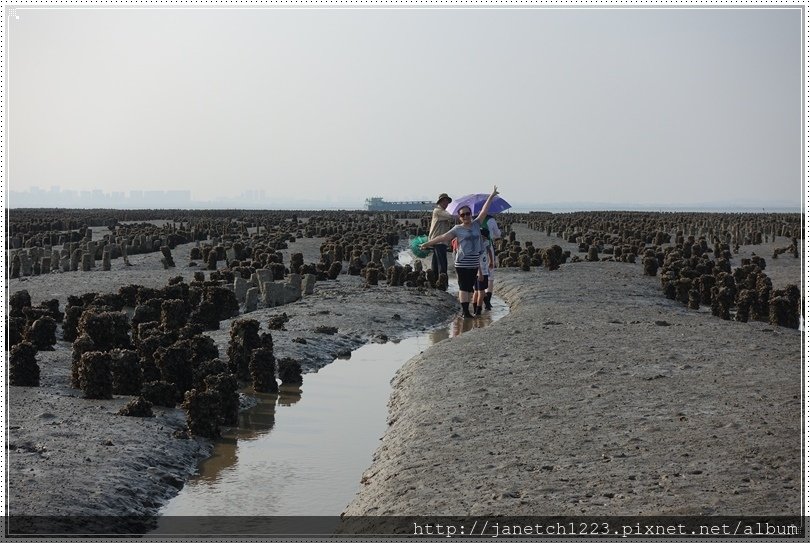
<point x="70" y="457"/>
<point x="596" y="395"/>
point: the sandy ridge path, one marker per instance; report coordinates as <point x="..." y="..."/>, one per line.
<point x="596" y="395"/>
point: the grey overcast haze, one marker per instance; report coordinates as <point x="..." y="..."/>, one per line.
<point x="613" y="107"/>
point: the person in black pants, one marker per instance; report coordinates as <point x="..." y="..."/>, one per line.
<point x="440" y="223"/>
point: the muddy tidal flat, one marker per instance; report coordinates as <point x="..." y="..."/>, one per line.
<point x="598" y="394"/>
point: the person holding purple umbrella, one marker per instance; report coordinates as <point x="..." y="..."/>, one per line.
<point x="476" y="201"/>
<point x="468" y="254"/>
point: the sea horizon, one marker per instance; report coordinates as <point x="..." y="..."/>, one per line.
<point x="539" y="208"/>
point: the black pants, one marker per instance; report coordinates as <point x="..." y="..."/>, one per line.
<point x="439" y="261"/>
<point x="466" y="279"/>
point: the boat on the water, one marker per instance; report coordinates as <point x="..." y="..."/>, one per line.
<point x="376" y="203"/>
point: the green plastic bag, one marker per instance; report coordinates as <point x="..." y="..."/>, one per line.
<point x="415" y="243"/>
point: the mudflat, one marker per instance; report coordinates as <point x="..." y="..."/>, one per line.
<point x="70" y="457"/>
<point x="596" y="395"/>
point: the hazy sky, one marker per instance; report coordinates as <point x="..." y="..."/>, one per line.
<point x="330" y="106"/>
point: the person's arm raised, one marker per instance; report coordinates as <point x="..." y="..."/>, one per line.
<point x="484" y="210"/>
<point x="444" y="238"/>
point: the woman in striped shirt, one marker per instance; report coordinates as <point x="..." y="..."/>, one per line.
<point x="467" y="256"/>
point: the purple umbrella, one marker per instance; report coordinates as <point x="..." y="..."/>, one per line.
<point x="476" y="202"/>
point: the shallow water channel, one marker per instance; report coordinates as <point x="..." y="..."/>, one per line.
<point x="303" y="451"/>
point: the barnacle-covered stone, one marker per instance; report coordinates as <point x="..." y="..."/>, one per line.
<point x="296" y="261"/>
<point x="784" y="307"/>
<point x="160" y="393"/>
<point x="145" y="312"/>
<point x="206" y="315"/>
<point x="167" y="260"/>
<point x="17" y="301"/>
<point x="276" y="322"/>
<point x="52" y="307"/>
<point x="263" y="370"/>
<point x="127" y="375"/>
<point x="173" y="314"/>
<point x="95" y="375"/>
<point x="23" y="369"/>
<point x="203" y="348"/>
<point x="334" y="270"/>
<point x="210" y="367"/>
<point x="244" y="338"/>
<point x="223" y="301"/>
<point x="107" y="302"/>
<point x="42" y="333"/>
<point x="138" y="407"/>
<point x="108" y="330"/>
<point x="202" y="413"/>
<point x="760" y="309"/>
<point x="442" y="282"/>
<point x="650" y="263"/>
<point x="32" y="314"/>
<point x="552" y="257"/>
<point x="289" y="371"/>
<point x="226" y="387"/>
<point x="14" y="331"/>
<point x="745" y="298"/>
<point x="83" y="344"/>
<point x="722" y="301"/>
<point x="372" y="275"/>
<point x="150" y="339"/>
<point x="176" y="366"/>
<point x="129" y="295"/>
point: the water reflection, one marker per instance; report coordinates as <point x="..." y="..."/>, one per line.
<point x="289" y="395"/>
<point x="256" y="421"/>
<point x="459" y="325"/>
<point x="294" y="457"/>
<point x="223" y="458"/>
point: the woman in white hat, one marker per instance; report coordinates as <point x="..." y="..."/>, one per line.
<point x="440" y="223"/>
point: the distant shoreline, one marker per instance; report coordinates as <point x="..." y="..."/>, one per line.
<point x="556" y="208"/>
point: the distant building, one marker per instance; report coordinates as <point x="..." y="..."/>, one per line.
<point x="376" y="203"/>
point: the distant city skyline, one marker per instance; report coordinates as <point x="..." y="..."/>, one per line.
<point x="54" y="196"/>
<point x="666" y="106"/>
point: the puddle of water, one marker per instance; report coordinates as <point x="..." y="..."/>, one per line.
<point x="294" y="452"/>
<point x="303" y="451"/>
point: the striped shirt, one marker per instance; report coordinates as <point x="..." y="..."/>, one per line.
<point x="469" y="245"/>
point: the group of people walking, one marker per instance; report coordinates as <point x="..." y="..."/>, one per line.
<point x="474" y="254"/>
